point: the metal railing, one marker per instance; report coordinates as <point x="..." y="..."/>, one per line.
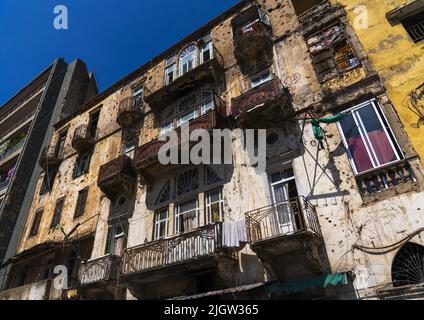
<point x="280" y="219"/>
<point x="131" y="104"/>
<point x="99" y="270"/>
<point x="256" y="29"/>
<point x="387" y="177"/>
<point x="198" y="243"/>
<point x="4" y="183"/>
<point x="416" y="32"/>
<point x="12" y="150"/>
<point x="268" y="91"/>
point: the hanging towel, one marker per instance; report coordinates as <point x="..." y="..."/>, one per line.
<point x="234" y="234"/>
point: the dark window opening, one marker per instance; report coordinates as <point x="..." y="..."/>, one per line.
<point x="60" y="146"/>
<point x="57" y="212"/>
<point x="81" y="202"/>
<point x="408" y="266"/>
<point x="82" y="165"/>
<point x="301" y="6"/>
<point x="94" y="121"/>
<point x="48" y="181"/>
<point x="331" y="52"/>
<point x="21" y="276"/>
<point x="36" y="222"/>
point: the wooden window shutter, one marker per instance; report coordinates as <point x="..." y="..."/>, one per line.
<point x="36" y="223"/>
<point x="57" y="212"/>
<point x="81" y="202"/>
<point x="108" y="240"/>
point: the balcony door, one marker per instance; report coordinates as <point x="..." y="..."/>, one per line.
<point x="187" y="215"/>
<point x="284" y="192"/>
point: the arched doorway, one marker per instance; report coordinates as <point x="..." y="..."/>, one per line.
<point x="408" y="265"/>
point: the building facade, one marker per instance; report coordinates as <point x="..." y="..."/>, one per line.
<point x="26" y="126"/>
<point x="331" y="211"/>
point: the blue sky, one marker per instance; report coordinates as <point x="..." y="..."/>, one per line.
<point x="113" y="37"/>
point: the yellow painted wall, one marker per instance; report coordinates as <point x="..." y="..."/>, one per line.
<point x="396" y="58"/>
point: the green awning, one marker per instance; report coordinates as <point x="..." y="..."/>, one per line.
<point x="302" y="285"/>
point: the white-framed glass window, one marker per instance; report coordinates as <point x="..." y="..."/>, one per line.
<point x="368" y="137"/>
<point x="187" y="117"/>
<point x="138" y="94"/>
<point x="166" y="127"/>
<point x="260" y="79"/>
<point x="207" y="101"/>
<point x="206" y="53"/>
<point x="161" y="224"/>
<point x="170" y="73"/>
<point x="116" y="239"/>
<point x="129" y="147"/>
<point x="214" y="206"/>
<point x="187" y="216"/>
<point x="188" y="59"/>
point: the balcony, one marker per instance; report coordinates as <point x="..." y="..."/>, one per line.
<point x="207" y="72"/>
<point x="174" y="259"/>
<point x="146" y="156"/>
<point x="116" y="176"/>
<point x="252" y="40"/>
<point x="386" y="181"/>
<point x="98" y="278"/>
<point x="262" y="106"/>
<point x="82" y="138"/>
<point x="285" y="236"/>
<point x="49" y="158"/>
<point x="130" y="112"/>
<point x="12" y="150"/>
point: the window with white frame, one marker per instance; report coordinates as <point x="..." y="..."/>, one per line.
<point x="129" y="146"/>
<point x="117" y="239"/>
<point x="206" y="53"/>
<point x="187" y="117"/>
<point x="207" y="101"/>
<point x="186" y="216"/>
<point x="161" y="224"/>
<point x="368" y="137"/>
<point x="170" y="73"/>
<point x="137" y="94"/>
<point x="214" y="206"/>
<point x="188" y="59"/>
<point x="260" y="79"/>
<point x="166" y="127"/>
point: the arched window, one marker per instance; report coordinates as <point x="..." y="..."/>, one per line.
<point x="408" y="265"/>
<point x="188" y="59"/>
<point x="164" y="194"/>
<point x="187" y="182"/>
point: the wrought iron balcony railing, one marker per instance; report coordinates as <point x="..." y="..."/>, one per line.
<point x="147" y="154"/>
<point x="130" y="111"/>
<point x="82" y="138"/>
<point x="202" y="242"/>
<point x="282" y="219"/>
<point x="265" y="94"/>
<point x="99" y="271"/>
